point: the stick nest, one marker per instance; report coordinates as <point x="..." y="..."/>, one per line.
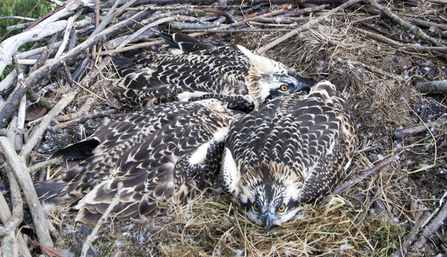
<point x="377" y="71"/>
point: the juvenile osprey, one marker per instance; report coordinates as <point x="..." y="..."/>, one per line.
<point x="203" y="70"/>
<point x="291" y="151"/>
<point x="167" y="151"/>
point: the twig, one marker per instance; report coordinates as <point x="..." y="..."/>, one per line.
<point x="36" y="98"/>
<point x="379" y="37"/>
<point x="426" y="23"/>
<point x="96" y="12"/>
<point x="21" y="172"/>
<point x="412" y="237"/>
<point x="44" y="54"/>
<point x="358" y="178"/>
<point x="184" y="25"/>
<point x="81" y="68"/>
<point x="143" y="29"/>
<point x="405" y="24"/>
<point x="305" y="26"/>
<point x="371" y="171"/>
<point x="424" y="48"/>
<point x="379" y="71"/>
<point x="278" y="21"/>
<point x="43" y="164"/>
<point x="133" y="47"/>
<point x="418" y="129"/>
<point x="110" y="16"/>
<point x="5" y="212"/>
<point x="92" y="236"/>
<point x="58" y="13"/>
<point x="9" y="243"/>
<point x="36" y="51"/>
<point x="67" y="34"/>
<point x="234" y="30"/>
<point x="433" y="226"/>
<point x="8" y="81"/>
<point x="433" y="87"/>
<point x="68" y="75"/>
<point x="17" y="17"/>
<point x="227" y="2"/>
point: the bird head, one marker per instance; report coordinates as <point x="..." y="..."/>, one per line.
<point x="270" y="194"/>
<point x="269" y="79"/>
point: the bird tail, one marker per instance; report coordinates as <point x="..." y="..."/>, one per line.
<point x="51" y="191"/>
<point x="123" y="65"/>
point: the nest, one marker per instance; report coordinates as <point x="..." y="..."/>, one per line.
<point x="402" y="130"/>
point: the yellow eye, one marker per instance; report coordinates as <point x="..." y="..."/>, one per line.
<point x="284" y="87"/>
<point x="282" y="208"/>
<point x="256" y="207"/>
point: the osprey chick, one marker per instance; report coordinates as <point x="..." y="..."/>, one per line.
<point x="199" y="70"/>
<point x="166" y="152"/>
<point x="291" y="151"/>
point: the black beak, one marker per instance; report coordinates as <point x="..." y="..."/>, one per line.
<point x="267" y="220"/>
<point x="304" y="83"/>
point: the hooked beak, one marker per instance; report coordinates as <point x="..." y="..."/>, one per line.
<point x="267" y="220"/>
<point x="304" y="83"/>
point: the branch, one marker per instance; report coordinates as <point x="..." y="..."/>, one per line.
<point x="358" y="178"/>
<point x="143" y="29"/>
<point x="10" y="45"/>
<point x="405" y="24"/>
<point x="433" y="87"/>
<point x="227" y="2"/>
<point x="17" y="17"/>
<point x="184" y="25"/>
<point x="34" y="77"/>
<point x="21" y="172"/>
<point x="9" y="242"/>
<point x="433" y="227"/>
<point x="402" y="133"/>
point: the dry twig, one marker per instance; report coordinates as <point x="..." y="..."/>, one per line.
<point x="433" y="87"/>
<point x="21" y="172"/>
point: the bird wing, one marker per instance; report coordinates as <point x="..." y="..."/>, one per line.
<point x="166" y="79"/>
<point x="312" y="135"/>
<point x="161" y="152"/>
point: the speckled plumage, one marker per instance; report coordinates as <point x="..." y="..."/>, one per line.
<point x="200" y="70"/>
<point x="291" y="151"/>
<point x="165" y="152"/>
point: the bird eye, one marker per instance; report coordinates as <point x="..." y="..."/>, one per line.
<point x="256" y="207"/>
<point x="284" y="87"/>
<point x="282" y="208"/>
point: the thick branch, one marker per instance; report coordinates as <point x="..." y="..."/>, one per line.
<point x="21" y="172"/>
<point x="9" y="242"/>
<point x="433" y="87"/>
